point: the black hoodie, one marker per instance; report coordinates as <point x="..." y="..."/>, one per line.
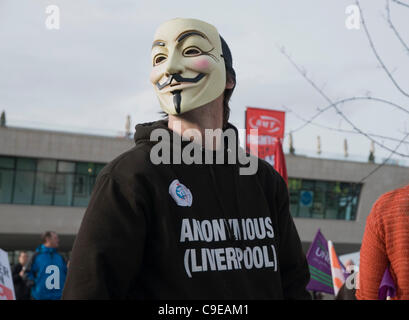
<point x="199" y="231"/>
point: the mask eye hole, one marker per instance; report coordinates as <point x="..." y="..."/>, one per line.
<point x="159" y="58"/>
<point x="192" y="52"/>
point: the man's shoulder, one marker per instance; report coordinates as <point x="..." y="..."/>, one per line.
<point x="267" y="173"/>
<point x="265" y="167"/>
<point x="399" y="196"/>
<point x="391" y="203"/>
<point x="130" y="163"/>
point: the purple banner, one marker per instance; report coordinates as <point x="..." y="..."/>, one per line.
<point x="387" y="287"/>
<point x="319" y="265"/>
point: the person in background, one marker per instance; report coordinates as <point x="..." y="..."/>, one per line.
<point x="386" y="241"/>
<point x="47" y="270"/>
<point x="21" y="289"/>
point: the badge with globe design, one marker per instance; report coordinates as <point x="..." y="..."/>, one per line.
<point x="180" y="193"/>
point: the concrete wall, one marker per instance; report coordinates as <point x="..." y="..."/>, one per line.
<point x="19" y="221"/>
<point x="21" y="225"/>
<point x="59" y="145"/>
<point x="22" y="219"/>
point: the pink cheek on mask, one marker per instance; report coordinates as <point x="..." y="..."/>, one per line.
<point x="202" y="64"/>
<point x="155" y="75"/>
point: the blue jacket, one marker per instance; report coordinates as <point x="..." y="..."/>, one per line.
<point x="48" y="271"/>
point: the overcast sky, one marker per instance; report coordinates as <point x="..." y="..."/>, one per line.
<point x="93" y="71"/>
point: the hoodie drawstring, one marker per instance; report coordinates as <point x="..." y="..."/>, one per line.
<point x="230" y="231"/>
<point x="239" y="207"/>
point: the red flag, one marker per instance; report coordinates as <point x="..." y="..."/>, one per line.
<point x="279" y="160"/>
<point x="270" y="126"/>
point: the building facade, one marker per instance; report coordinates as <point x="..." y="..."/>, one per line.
<point x="46" y="179"/>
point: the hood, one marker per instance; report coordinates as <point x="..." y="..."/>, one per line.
<point x="43" y="249"/>
<point x="143" y="130"/>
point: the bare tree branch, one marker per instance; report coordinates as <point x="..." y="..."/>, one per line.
<point x="306" y="122"/>
<point x="356" y="184"/>
<point x="322" y="110"/>
<point x="388" y="18"/>
<point x="334" y="105"/>
<point x="375" y="52"/>
<point x="386" y="160"/>
<point x="401" y="3"/>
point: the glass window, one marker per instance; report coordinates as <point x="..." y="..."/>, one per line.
<point x="44" y="188"/>
<point x="85" y="168"/>
<point x="26" y="164"/>
<point x="80" y="185"/>
<point x="6" y="162"/>
<point x="331" y="208"/>
<point x="66" y="167"/>
<point x="23" y="187"/>
<point x="98" y="168"/>
<point x="318" y="207"/>
<point x="82" y="190"/>
<point x="294" y="203"/>
<point x="46" y="165"/>
<point x="6" y="185"/>
<point x="293" y="186"/>
<point x="308" y="184"/>
<point x="47" y="181"/>
<point x="323" y="199"/>
<point x="305" y="203"/>
<point x="64" y="189"/>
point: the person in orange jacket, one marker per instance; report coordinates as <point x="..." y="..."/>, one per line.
<point x="386" y="242"/>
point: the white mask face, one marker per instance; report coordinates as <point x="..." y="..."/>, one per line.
<point x="188" y="66"/>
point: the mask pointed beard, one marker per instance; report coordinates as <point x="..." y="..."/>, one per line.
<point x="177" y="99"/>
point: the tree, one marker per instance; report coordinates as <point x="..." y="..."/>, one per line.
<point x="331" y="104"/>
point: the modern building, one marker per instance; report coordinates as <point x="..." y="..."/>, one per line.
<point x="46" y="179"/>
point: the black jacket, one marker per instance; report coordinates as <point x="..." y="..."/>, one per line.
<point x="21" y="289"/>
<point x="140" y="239"/>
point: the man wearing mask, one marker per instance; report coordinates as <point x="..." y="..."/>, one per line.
<point x="195" y="230"/>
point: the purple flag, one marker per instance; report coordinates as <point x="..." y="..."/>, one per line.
<point x="319" y="265"/>
<point x="387" y="287"/>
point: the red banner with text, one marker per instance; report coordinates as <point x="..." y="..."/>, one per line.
<point x="270" y="125"/>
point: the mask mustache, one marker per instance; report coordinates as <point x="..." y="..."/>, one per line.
<point x="179" y="78"/>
